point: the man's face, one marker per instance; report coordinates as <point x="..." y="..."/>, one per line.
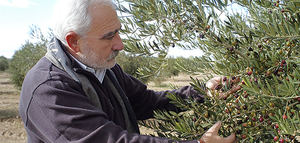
<point x="101" y="44"/>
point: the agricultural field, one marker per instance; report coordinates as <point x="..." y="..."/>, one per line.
<point x="11" y="126"/>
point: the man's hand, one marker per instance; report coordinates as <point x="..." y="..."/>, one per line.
<point x="218" y="82"/>
<point x="211" y="136"/>
<point x="214" y="82"/>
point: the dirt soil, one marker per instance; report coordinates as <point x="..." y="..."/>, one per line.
<point x="11" y="126"/>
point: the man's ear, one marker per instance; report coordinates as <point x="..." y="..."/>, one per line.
<point x="72" y="39"/>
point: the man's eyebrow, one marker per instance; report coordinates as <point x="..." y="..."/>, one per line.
<point x="109" y="34"/>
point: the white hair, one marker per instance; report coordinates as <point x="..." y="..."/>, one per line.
<point x="72" y="15"/>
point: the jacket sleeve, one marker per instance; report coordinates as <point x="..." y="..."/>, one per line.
<point x="58" y="112"/>
<point x="144" y="101"/>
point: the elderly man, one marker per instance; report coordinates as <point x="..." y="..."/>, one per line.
<point x="77" y="92"/>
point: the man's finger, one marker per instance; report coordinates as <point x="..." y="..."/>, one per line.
<point x="235" y="89"/>
<point x="229" y="139"/>
<point x="212" y="83"/>
<point x="215" y="128"/>
<point x="232" y="90"/>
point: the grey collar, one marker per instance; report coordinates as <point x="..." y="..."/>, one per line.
<point x="56" y="55"/>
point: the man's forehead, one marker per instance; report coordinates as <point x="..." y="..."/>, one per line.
<point x="104" y="18"/>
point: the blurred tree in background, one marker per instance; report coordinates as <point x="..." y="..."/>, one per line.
<point x="135" y="65"/>
<point x="131" y="63"/>
<point x="258" y="46"/>
<point x="28" y="55"/>
<point x="3" y="63"/>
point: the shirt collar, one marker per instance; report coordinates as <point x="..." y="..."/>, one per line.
<point x="99" y="73"/>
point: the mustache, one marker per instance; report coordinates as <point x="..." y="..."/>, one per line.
<point x="113" y="55"/>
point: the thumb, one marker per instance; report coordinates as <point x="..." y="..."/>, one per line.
<point x="215" y="128"/>
<point x="229" y="139"/>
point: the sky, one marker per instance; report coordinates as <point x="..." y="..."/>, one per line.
<point x="17" y="16"/>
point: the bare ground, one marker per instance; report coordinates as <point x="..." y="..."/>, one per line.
<point x="11" y="126"/>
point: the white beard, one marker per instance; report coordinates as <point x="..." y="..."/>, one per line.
<point x="92" y="60"/>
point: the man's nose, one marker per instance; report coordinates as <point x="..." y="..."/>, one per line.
<point x="117" y="43"/>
